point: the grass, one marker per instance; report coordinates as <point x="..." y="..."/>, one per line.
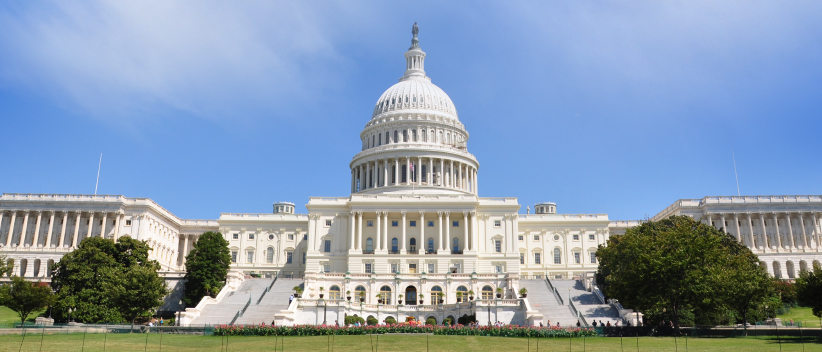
<point x="8" y="316"/>
<point x="404" y="343"/>
<point x="803" y="314"/>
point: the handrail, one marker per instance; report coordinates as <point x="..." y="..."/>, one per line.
<point x="235" y="318"/>
<point x="267" y="289"/>
<point x="597" y="292"/>
<point x="577" y="313"/>
<point x="554" y="289"/>
<point x="242" y="311"/>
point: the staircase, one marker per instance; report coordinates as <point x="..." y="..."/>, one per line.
<point x="543" y="300"/>
<point x="225" y="311"/>
<point x="272" y="303"/>
<point x="587" y="303"/>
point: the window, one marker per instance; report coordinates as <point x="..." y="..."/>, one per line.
<point x="536" y="238"/>
<point x="303" y="257"/>
<point x="128" y="222"/>
<point x="395" y="223"/>
<point x="522" y="258"/>
<point x="370" y="223"/>
<point x="497" y="223"/>
<point x="385" y="294"/>
<point x="270" y="237"/>
<point x="360" y="291"/>
<point x="328" y="223"/>
<point x="593" y="258"/>
<point x="290" y="236"/>
<point x="556" y="237"/>
<point x="305" y="237"/>
<point x="394" y="245"/>
<point x="536" y="258"/>
<point x="436" y="291"/>
<point x="413" y="223"/>
<point x="498" y="268"/>
<point x="289" y="257"/>
<point x="557" y="257"/>
<point x="405" y="135"/>
<point x="327" y="246"/>
<point x="251" y="236"/>
<point x="326" y="268"/>
<point x="369" y="245"/>
<point x="412" y="244"/>
<point x="576" y="237"/>
<point x="456" y="246"/>
<point x="432" y="268"/>
<point x="233" y="256"/>
<point x="430" y="244"/>
<point x="334" y="292"/>
<point x="520" y="237"/>
<point x="456" y="224"/>
<point x="592" y="237"/>
<point x="412" y="268"/>
<point x="487" y="292"/>
<point x="498" y="246"/>
<point x="368" y="268"/>
<point x="269" y="255"/>
<point x="235" y="236"/>
<point x="395" y="268"/>
<point x="430" y="224"/>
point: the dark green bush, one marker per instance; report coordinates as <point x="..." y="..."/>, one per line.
<point x="349" y="319"/>
<point x="371" y="320"/>
<point x="431" y="321"/>
<point x="390" y="320"/>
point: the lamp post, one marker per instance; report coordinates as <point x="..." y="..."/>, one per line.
<point x="180" y="313"/>
<point x="569" y="296"/>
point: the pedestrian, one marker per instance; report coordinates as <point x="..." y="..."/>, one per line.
<point x="578" y="324"/>
<point x="161" y="321"/>
<point x="595" y="323"/>
<point x="600" y="323"/>
<point x="336" y="323"/>
<point x="609" y="324"/>
<point x="290" y="298"/>
<point x="540" y="324"/>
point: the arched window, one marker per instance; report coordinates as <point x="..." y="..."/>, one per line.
<point x="373" y="141"/>
<point x="435" y="293"/>
<point x="424" y="136"/>
<point x="404" y="136"/>
<point x="394" y="248"/>
<point x="49" y="267"/>
<point x="557" y="256"/>
<point x="385" y="294"/>
<point x="387" y="137"/>
<point x="424" y="173"/>
<point x="360" y="292"/>
<point x="430" y="244"/>
<point x="487" y="292"/>
<point x="334" y="292"/>
<point x="396" y="136"/>
<point x="369" y="245"/>
<point x="439" y="139"/>
<point x="269" y="255"/>
<point x="379" y="139"/>
<point x="414" y="135"/>
<point x="447" y="138"/>
<point x="456" y="246"/>
<point x="464" y="291"/>
<point x="412" y="244"/>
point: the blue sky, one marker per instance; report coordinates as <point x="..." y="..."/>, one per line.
<point x="603" y="107"/>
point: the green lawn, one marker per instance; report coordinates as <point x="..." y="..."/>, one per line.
<point x="405" y="343"/>
<point x="802" y="314"/>
<point x="8" y="316"/>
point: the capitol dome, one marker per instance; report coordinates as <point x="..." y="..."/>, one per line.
<point x="415" y="95"/>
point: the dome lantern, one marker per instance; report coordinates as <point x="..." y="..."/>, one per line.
<point x="414" y="58"/>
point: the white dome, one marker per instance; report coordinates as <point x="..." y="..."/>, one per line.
<point x="415" y="95"/>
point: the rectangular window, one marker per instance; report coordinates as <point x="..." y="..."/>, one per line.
<point x="250" y="257"/>
<point x="557" y="257"/>
<point x="499" y="268"/>
<point x="289" y="257"/>
<point x="328" y="223"/>
<point x="520" y="237"/>
<point x="395" y="223"/>
<point x="576" y="257"/>
<point x="326" y="268"/>
<point x="498" y="246"/>
<point x="412" y="268"/>
<point x="233" y="256"/>
<point x="413" y="223"/>
<point x="536" y="258"/>
<point x="327" y="246"/>
<point x="593" y="258"/>
<point x="368" y="268"/>
<point x="430" y="224"/>
<point x="522" y="258"/>
<point x="432" y="268"/>
<point x="128" y="222"/>
<point x="101" y="222"/>
<point x="497" y="223"/>
<point x="456" y="224"/>
<point x="536" y="237"/>
<point x="305" y="237"/>
<point x="369" y="223"/>
<point x="251" y="236"/>
<point x="394" y="267"/>
<point x="592" y="237"/>
<point x="290" y="236"/>
<point x="235" y="236"/>
<point x="303" y="257"/>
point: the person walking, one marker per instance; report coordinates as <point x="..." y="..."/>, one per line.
<point x="290" y="298"/>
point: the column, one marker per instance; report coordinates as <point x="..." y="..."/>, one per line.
<point x="451" y="178"/>
<point x="359" y="229"/>
<point x="448" y="231"/>
<point x="439" y="221"/>
<point x="404" y="229"/>
<point x="117" y="224"/>
<point x="352" y="180"/>
<point x="421" y="245"/>
<point x="736" y="223"/>
<point x="474" y="231"/>
<point x="465" y="231"/>
<point x="708" y="219"/>
<point x="385" y="173"/>
<point x="36" y="230"/>
<point x="397" y="176"/>
<point x="384" y="233"/>
<point x="817" y="237"/>
<point x="2" y="217"/>
<point x="722" y="218"/>
<point x="76" y="231"/>
<point x="418" y="169"/>
<point x="778" y="236"/>
<point x="804" y="233"/>
<point x="90" y="223"/>
<point x="351" y="244"/>
<point x="367" y="175"/>
<point x="51" y="229"/>
<point x="430" y="171"/>
<point x="765" y="241"/>
<point x="408" y="171"/>
<point x="515" y="233"/>
<point x="476" y="182"/>
<point x="750" y="232"/>
<point x="103" y="229"/>
<point x="11" y="227"/>
<point x="185" y="249"/>
<point x="790" y="230"/>
<point x="25" y="227"/>
<point x="378" y="232"/>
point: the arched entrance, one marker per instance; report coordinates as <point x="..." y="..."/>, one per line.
<point x="411" y="295"/>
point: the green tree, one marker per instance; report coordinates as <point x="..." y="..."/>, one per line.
<point x="680" y="265"/>
<point x="92" y="279"/>
<point x="206" y="267"/>
<point x="25" y="297"/>
<point x="138" y="291"/>
<point x="809" y="290"/>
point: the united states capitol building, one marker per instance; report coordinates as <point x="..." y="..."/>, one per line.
<point x="413" y="224"/>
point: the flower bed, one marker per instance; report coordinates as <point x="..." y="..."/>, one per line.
<point x="321" y="330"/>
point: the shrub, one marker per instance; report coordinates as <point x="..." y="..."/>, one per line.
<point x="431" y="321"/>
<point x="371" y="320"/>
<point x="354" y="319"/>
<point x="310" y="330"/>
<point x="390" y="320"/>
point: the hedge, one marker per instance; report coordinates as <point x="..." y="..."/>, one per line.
<point x="320" y="330"/>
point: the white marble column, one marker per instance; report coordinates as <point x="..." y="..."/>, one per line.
<point x="442" y="174"/>
<point x="50" y="230"/>
<point x="185" y="249"/>
<point x="11" y="227"/>
<point x="816" y="233"/>
<point x="378" y="232"/>
<point x="404" y="229"/>
<point x="63" y="230"/>
<point x="448" y="231"/>
<point x="359" y="229"/>
<point x="476" y="182"/>
<point x="751" y="233"/>
<point x="776" y="227"/>
<point x="90" y="223"/>
<point x="25" y="228"/>
<point x="474" y="231"/>
<point x="118" y="223"/>
<point x="353" y="179"/>
<point x="367" y="175"/>
<point x="103" y="227"/>
<point x="421" y="245"/>
<point x="418" y="170"/>
<point x="738" y="232"/>
<point x="2" y="218"/>
<point x="408" y="171"/>
<point x="430" y="171"/>
<point x="351" y="232"/>
<point x="708" y="219"/>
<point x="722" y="218"/>
<point x="765" y="238"/>
<point x="439" y="221"/>
<point x="790" y="230"/>
<point x="804" y="232"/>
<point x="76" y="230"/>
<point x="384" y="233"/>
<point x="37" y="230"/>
<point x="397" y="175"/>
<point x="465" y="231"/>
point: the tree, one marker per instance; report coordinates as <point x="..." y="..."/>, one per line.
<point x="809" y="290"/>
<point x="25" y="297"/>
<point x="206" y="267"/>
<point x="679" y="265"/>
<point x="96" y="280"/>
